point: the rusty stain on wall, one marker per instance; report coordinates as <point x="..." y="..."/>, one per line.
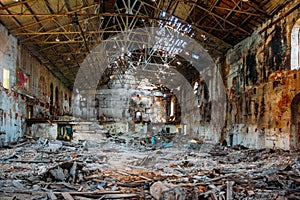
<point x="261" y="88"/>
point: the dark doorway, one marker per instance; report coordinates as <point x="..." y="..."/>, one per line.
<point x="51" y="99"/>
<point x="295" y="123"/>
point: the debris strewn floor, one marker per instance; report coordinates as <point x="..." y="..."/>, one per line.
<point x="130" y="168"/>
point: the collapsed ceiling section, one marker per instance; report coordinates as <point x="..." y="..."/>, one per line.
<point x="61" y="33"/>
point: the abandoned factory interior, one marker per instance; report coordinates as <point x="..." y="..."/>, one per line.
<point x="149" y="99"/>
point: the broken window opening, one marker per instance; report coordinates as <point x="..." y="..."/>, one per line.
<point x="295" y="46"/>
<point x="138" y="116"/>
<point x="29" y="111"/>
<point x="172" y="109"/>
<point x="66" y="106"/>
<point x="6" y="78"/>
<point x="196" y="86"/>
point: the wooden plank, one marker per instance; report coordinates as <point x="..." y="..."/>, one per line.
<point x="30" y="161"/>
<point x="229" y="195"/>
<point x="67" y="196"/>
<point x="119" y="196"/>
<point x="51" y="195"/>
<point x="71" y="193"/>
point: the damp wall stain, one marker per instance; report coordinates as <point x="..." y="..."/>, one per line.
<point x="261" y="88"/>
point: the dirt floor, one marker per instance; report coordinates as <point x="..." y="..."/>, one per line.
<point x="133" y="167"/>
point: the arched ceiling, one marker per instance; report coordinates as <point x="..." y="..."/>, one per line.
<point x="60" y="33"/>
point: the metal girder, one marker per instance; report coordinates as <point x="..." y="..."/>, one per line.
<point x="256" y="7"/>
<point x="51" y="17"/>
<point x="15" y="4"/>
<point x="207" y="14"/>
<point x="54" y="15"/>
<point x="229" y="13"/>
<point x="222" y="19"/>
<point x="72" y="12"/>
<point x="250" y="3"/>
<point x="232" y="30"/>
<point x="55" y="19"/>
<point x="17" y="21"/>
<point x="48" y="7"/>
<point x="239" y="11"/>
<point x="54" y="31"/>
<point x="199" y="29"/>
<point x="68" y="32"/>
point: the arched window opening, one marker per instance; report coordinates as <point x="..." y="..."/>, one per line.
<point x="172" y="108"/>
<point x="295" y="46"/>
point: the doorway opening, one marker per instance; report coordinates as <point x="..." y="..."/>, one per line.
<point x="295" y="123"/>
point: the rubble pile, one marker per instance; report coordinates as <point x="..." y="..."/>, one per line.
<point x="112" y="169"/>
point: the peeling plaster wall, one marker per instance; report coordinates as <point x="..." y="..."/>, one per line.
<point x="39" y="84"/>
<point x="26" y="88"/>
<point x="202" y="117"/>
<point x="118" y="105"/>
<point x="261" y="86"/>
<point x="13" y="116"/>
<point x="129" y="105"/>
<point x="121" y="102"/>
